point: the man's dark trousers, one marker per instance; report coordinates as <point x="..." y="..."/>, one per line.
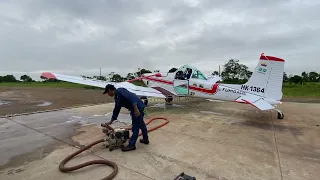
<point x="137" y="124"/>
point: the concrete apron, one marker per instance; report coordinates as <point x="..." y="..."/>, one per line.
<point x="224" y="141"/>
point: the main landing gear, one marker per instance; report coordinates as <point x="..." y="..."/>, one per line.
<point x="145" y="100"/>
<point x="280" y="114"/>
<point x="169" y="100"/>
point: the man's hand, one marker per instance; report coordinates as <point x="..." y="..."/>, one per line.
<point x="106" y="124"/>
<point x="136" y="111"/>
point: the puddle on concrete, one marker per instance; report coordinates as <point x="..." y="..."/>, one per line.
<point x="98" y="115"/>
<point x="97" y="119"/>
<point x="4" y="102"/>
<point x="24" y="145"/>
<point x="214" y="100"/>
<point x="83" y="122"/>
<point x="165" y="106"/>
<point x="211" y="112"/>
<point x="46" y="103"/>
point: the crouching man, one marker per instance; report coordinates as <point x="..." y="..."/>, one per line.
<point x="124" y="98"/>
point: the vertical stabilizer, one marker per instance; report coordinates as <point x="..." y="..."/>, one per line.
<point x="267" y="78"/>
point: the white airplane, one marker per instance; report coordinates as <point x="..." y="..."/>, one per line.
<point x="263" y="89"/>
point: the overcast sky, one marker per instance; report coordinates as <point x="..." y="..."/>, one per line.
<point x="77" y="37"/>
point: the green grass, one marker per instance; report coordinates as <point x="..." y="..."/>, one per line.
<point x="289" y="90"/>
<point x="42" y="84"/>
<point x="298" y="90"/>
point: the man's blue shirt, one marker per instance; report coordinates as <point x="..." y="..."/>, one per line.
<point x="125" y="98"/>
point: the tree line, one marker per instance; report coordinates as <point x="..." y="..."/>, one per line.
<point x="233" y="72"/>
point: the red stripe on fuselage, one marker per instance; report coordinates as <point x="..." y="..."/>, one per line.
<point x="157" y="80"/>
<point x="211" y="91"/>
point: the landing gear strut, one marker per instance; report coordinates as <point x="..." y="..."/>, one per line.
<point x="145" y="100"/>
<point x="169" y="99"/>
<point x="280" y="114"/>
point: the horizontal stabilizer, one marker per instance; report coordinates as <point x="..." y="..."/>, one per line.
<point x="256" y="101"/>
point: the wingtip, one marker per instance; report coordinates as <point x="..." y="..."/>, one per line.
<point x="48" y="75"/>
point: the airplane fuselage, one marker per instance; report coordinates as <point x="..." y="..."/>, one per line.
<point x="203" y="88"/>
<point x="263" y="89"/>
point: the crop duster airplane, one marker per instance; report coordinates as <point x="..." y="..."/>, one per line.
<point x="263" y="89"/>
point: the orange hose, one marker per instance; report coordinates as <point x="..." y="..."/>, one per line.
<point x="156" y="127"/>
<point x="148" y="122"/>
<point x="64" y="169"/>
<point x="106" y="162"/>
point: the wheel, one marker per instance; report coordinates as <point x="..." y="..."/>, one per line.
<point x="169" y="99"/>
<point x="111" y="148"/>
<point x="146" y="102"/>
<point x="280" y="115"/>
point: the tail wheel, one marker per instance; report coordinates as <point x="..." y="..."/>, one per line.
<point x="280" y="115"/>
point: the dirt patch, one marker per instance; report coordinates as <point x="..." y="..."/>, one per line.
<point x="30" y="99"/>
<point x="27" y="99"/>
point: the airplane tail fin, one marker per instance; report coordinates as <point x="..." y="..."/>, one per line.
<point x="267" y="78"/>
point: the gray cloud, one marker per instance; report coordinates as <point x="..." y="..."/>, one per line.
<point x="77" y="36"/>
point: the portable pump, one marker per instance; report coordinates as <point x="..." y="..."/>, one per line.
<point x="115" y="137"/>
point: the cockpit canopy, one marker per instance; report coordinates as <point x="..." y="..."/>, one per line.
<point x="187" y="72"/>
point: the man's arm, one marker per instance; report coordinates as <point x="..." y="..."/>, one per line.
<point x="116" y="109"/>
<point x="115" y="113"/>
<point x="135" y="108"/>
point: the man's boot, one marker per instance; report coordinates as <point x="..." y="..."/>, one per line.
<point x="128" y="148"/>
<point x="144" y="141"/>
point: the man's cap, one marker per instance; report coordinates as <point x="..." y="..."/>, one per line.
<point x="108" y="87"/>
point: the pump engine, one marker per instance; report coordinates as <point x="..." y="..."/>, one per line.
<point x="115" y="138"/>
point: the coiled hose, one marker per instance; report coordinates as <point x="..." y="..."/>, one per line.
<point x="64" y="169"/>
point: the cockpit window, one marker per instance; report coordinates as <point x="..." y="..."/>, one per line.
<point x="186" y="72"/>
<point x="198" y="75"/>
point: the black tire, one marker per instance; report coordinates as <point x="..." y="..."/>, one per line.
<point x="144" y="99"/>
<point x="169" y="99"/>
<point x="280" y="116"/>
<point x="146" y="102"/>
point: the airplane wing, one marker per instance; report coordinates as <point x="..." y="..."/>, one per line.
<point x="138" y="90"/>
<point x="256" y="101"/>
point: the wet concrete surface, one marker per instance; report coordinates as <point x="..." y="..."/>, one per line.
<point x="42" y="132"/>
<point x="208" y="140"/>
<point x="45" y="103"/>
<point x="4" y="102"/>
